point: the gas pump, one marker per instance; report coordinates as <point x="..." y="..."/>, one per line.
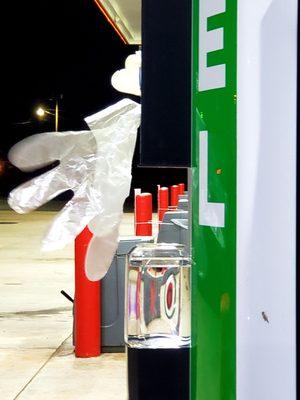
<point x="243" y="85"/>
<point x="244" y="199"/>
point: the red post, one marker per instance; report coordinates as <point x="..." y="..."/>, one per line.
<point x="174" y="196"/>
<point x="162" y="202"/>
<point x="143" y="214"/>
<point x="87" y="330"/>
<point x="181" y="188"/>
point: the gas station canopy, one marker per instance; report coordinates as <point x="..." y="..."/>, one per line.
<point x="124" y="16"/>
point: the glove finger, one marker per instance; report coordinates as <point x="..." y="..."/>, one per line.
<point x="38" y="191"/>
<point x="68" y="224"/>
<point x="107" y="221"/>
<point x="127" y="81"/>
<point x="100" y="253"/>
<point x="40" y="150"/>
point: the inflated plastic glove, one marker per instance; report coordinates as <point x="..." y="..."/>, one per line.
<point x="96" y="166"/>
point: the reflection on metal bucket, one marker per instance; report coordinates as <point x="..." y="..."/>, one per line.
<point x="158" y="297"/>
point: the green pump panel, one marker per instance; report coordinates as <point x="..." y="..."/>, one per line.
<point x="244" y="163"/>
<point x="214" y="199"/>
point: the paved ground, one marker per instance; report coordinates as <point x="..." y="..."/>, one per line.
<point x="36" y="355"/>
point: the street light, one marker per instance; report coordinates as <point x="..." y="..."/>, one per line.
<point x="41" y="111"/>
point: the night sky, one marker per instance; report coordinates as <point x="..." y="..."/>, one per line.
<point x="59" y="47"/>
<point x="56" y="47"/>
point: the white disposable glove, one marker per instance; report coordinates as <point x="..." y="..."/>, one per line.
<point x="96" y="166"/>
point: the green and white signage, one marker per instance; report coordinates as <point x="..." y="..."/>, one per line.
<point x="244" y="199"/>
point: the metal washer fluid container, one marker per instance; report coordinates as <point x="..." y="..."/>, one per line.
<point x="157" y="322"/>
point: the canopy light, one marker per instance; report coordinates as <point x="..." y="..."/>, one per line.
<point x="125" y="18"/>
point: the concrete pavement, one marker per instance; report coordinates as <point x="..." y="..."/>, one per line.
<point x="36" y="352"/>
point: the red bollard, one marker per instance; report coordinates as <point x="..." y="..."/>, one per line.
<point x="143" y="214"/>
<point x="162" y="202"/>
<point x="174" y="196"/>
<point x="181" y="188"/>
<point x="87" y="330"/>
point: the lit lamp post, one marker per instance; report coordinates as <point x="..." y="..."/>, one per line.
<point x="41" y="111"/>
